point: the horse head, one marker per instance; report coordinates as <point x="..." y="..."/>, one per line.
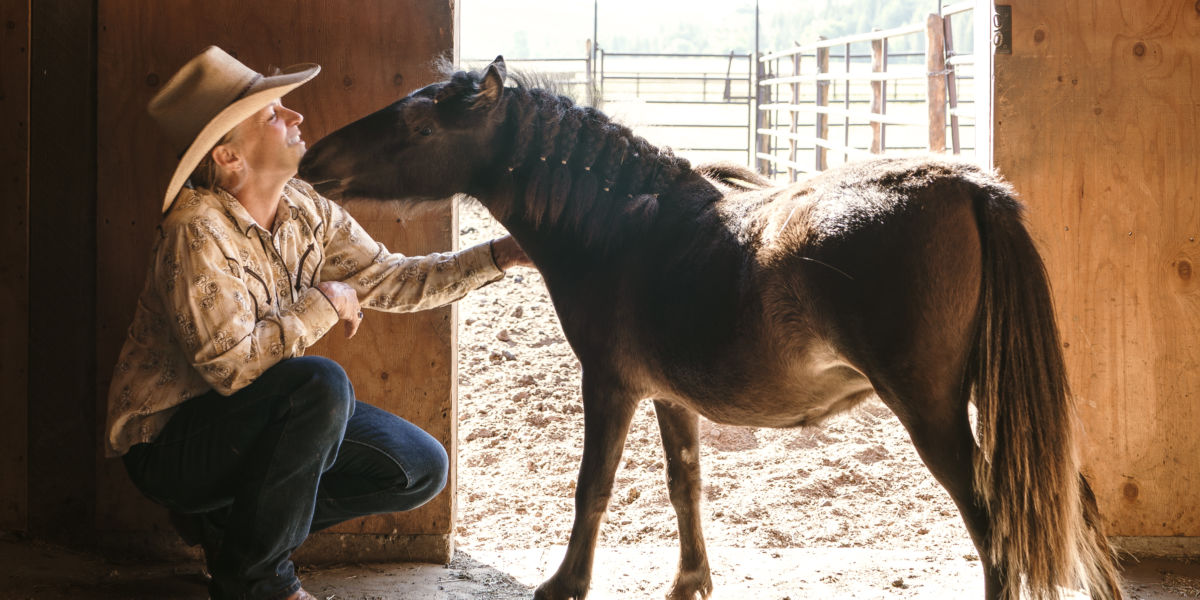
<point x="428" y="144"/>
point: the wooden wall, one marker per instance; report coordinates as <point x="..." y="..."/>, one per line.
<point x="1098" y="127"/>
<point x="14" y="261"/>
<point x="372" y="52"/>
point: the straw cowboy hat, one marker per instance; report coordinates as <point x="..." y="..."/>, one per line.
<point x="210" y="95"/>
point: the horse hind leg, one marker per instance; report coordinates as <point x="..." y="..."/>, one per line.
<point x="940" y="431"/>
<point x="680" y="438"/>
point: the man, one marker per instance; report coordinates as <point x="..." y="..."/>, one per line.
<point x="216" y="411"/>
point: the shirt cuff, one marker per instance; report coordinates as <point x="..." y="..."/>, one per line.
<point x="478" y="262"/>
<point x="321" y="316"/>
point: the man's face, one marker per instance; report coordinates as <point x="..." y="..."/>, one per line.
<point x="269" y="141"/>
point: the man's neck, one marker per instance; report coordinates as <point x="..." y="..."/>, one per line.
<point x="261" y="201"/>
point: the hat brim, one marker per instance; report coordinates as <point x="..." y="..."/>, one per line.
<point x="265" y="91"/>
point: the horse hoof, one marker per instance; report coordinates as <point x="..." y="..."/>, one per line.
<point x="552" y="589"/>
<point x="691" y="587"/>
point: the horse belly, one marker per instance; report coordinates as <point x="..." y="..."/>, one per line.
<point x="798" y="393"/>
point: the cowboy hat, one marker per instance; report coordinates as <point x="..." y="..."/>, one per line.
<point x="207" y="98"/>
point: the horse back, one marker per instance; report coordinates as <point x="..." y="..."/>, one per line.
<point x="793" y="303"/>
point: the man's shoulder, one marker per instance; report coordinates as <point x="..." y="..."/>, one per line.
<point x="198" y="209"/>
<point x="306" y="195"/>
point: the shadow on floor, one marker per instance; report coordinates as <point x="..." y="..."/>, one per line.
<point x="33" y="570"/>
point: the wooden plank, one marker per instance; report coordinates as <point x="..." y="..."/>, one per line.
<point x="1098" y="128"/>
<point x="62" y="270"/>
<point x="935" y="65"/>
<point x="370" y="56"/>
<point x="14" y="263"/>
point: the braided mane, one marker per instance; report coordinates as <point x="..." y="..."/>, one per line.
<point x="569" y="167"/>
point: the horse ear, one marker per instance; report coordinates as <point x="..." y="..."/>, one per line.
<point x="499" y="65"/>
<point x="492" y="86"/>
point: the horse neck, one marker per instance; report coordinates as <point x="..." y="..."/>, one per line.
<point x="568" y="172"/>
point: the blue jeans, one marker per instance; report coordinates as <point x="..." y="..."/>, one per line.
<point x="289" y="454"/>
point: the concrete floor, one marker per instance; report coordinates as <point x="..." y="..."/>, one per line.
<point x="37" y="571"/>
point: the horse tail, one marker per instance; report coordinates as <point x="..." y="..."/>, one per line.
<point x="1045" y="530"/>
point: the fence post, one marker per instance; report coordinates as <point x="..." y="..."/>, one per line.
<point x="878" y="65"/>
<point x="935" y="66"/>
<point x="591" y="75"/>
<point x="822" y="119"/>
<point x="794" y="118"/>
<point x="952" y="88"/>
<point x="763" y="122"/>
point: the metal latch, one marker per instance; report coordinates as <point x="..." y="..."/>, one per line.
<point x="1002" y="29"/>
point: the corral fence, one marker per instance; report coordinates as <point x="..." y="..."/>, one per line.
<point x="791" y="111"/>
<point x="843" y="96"/>
<point x="700" y="105"/>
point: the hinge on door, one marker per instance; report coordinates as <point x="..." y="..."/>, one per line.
<point x="1002" y="29"/>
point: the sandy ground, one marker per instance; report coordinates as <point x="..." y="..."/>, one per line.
<point x="845" y="511"/>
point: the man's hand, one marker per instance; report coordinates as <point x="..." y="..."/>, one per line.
<point x="345" y="302"/>
<point x="507" y="253"/>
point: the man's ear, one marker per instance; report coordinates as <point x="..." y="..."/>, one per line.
<point x="492" y="86"/>
<point x="226" y="157"/>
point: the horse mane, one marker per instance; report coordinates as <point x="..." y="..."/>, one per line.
<point x="735" y="176"/>
<point x="570" y="167"/>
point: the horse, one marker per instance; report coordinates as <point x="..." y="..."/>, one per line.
<point x="711" y="292"/>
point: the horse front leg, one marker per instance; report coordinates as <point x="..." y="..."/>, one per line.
<point x="607" y="412"/>
<point x="680" y="437"/>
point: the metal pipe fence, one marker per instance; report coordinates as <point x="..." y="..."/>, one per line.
<point x="787" y="112"/>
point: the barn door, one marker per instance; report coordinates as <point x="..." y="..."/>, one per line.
<point x="372" y="52"/>
<point x="1098" y="128"/>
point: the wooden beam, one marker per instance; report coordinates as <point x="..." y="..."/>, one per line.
<point x="62" y="270"/>
<point x="14" y="264"/>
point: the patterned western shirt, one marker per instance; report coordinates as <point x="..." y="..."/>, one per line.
<point x="225" y="299"/>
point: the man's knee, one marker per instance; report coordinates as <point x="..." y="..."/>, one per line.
<point x="325" y="383"/>
<point x="428" y="474"/>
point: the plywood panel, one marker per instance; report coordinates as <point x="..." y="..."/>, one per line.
<point x="372" y="52"/>
<point x="1098" y="127"/>
<point x="14" y="262"/>
<point x="62" y="269"/>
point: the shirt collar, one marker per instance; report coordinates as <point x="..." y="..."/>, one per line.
<point x="246" y="223"/>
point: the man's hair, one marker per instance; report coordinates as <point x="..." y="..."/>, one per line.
<point x="205" y="175"/>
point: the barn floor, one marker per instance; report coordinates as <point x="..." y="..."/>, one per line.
<point x="37" y="571"/>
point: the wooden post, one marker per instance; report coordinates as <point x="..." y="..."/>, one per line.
<point x="935" y="66"/>
<point x="822" y="132"/>
<point x="591" y="75"/>
<point x="794" y="120"/>
<point x="951" y="88"/>
<point x="878" y="94"/>
<point x="846" y="106"/>
<point x="763" y="122"/>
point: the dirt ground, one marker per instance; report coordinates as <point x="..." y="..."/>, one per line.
<point x="844" y="511"/>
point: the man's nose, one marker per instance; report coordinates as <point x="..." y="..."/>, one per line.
<point x="294" y="118"/>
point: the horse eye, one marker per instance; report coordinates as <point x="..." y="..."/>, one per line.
<point x="425" y="131"/>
